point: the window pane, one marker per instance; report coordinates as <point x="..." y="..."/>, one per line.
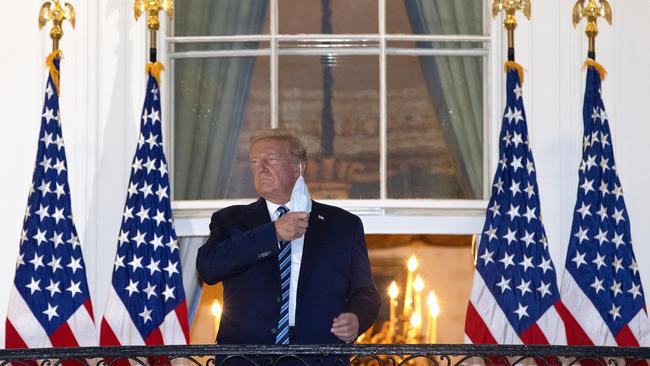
<point x="343" y="16"/>
<point x="342" y="138"/>
<point x="434" y="16"/>
<point x="218" y="102"/>
<point x="219" y="46"/>
<point x="221" y="17"/>
<point x="435" y="127"/>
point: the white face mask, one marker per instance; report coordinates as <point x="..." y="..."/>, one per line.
<point x="300" y="198"/>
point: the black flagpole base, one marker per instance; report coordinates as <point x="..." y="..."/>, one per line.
<point x="153" y="54"/>
<point x="511" y="54"/>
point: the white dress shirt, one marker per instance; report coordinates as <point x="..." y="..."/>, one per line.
<point x="296" y="259"/>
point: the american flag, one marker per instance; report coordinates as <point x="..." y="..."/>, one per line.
<point x="515" y="297"/>
<point x="49" y="303"/>
<point x="146" y="303"/>
<point x="601" y="285"/>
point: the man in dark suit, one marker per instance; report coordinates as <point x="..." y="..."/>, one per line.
<point x="328" y="293"/>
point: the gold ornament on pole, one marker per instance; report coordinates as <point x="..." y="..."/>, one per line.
<point x="510" y="7"/>
<point x="57" y="14"/>
<point x="592" y="12"/>
<point x="152" y="8"/>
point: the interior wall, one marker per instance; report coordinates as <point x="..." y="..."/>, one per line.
<point x="103" y="88"/>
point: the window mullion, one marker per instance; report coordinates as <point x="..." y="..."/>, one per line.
<point x="383" y="175"/>
<point x="274" y="63"/>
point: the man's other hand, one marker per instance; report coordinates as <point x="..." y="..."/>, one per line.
<point x="291" y="225"/>
<point x="346" y="327"/>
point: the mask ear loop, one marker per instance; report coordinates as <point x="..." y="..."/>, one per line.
<point x="300" y="164"/>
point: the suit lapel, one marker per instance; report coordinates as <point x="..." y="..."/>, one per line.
<point x="259" y="214"/>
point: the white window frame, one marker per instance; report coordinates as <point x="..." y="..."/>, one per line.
<point x="383" y="215"/>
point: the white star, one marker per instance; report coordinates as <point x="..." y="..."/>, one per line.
<point x="587" y="186"/>
<point x="55" y="263"/>
<point x="128" y="213"/>
<point x="599" y="261"/>
<point x="594" y="137"/>
<point x="160" y="217"/>
<point x="60" y="190"/>
<point x="499" y="186"/>
<point x="502" y="162"/>
<point x="591" y="162"/>
<point x="521" y="311"/>
<point x="42" y="212"/>
<point x="154" y="116"/>
<point x="153" y="267"/>
<point x="603" y="189"/>
<point x="49" y="91"/>
<point x="634" y="267"/>
<point x="530" y="214"/>
<point x="602" y="236"/>
<point x="597" y="285"/>
<point x="171" y="268"/>
<point x="545" y="265"/>
<point x="139" y="238"/>
<point x="602" y="213"/>
<point x="513" y="212"/>
<point x="74" y="241"/>
<point x="516" y="164"/>
<point x="143" y="214"/>
<point x="495" y="209"/>
<point x="510" y="236"/>
<point x="491" y="233"/>
<point x="135" y="263"/>
<point x="119" y="262"/>
<point x="617" y="263"/>
<point x="23" y="237"/>
<point x="504" y="284"/>
<point x="507" y="260"/>
<point x="604" y="164"/>
<point x="47" y="139"/>
<point x="150" y="290"/>
<point x="581" y="234"/>
<point x="34" y="286"/>
<point x="530" y="189"/>
<point x="544" y="289"/>
<point x="162" y="193"/>
<point x="44" y="187"/>
<point x="604" y="139"/>
<point x="618" y="215"/>
<point x="59" y="166"/>
<point x="156" y="242"/>
<point x="150" y="165"/>
<point x="53" y="288"/>
<point x="40" y="237"/>
<point x="518" y="92"/>
<point x="58" y="214"/>
<point x="168" y="293"/>
<point x="524" y="287"/>
<point x="123" y="238"/>
<point x="635" y="291"/>
<point x="528" y="238"/>
<point x="152" y="141"/>
<point x="146" y="190"/>
<point x="615" y="312"/>
<point x="141" y="137"/>
<point x="21" y="260"/>
<point x="132" y="287"/>
<point x="517" y="116"/>
<point x="527" y="262"/>
<point x="617" y="191"/>
<point x="162" y="169"/>
<point x="584" y="210"/>
<point x="137" y="165"/>
<point x="74" y="288"/>
<point x="59" y="142"/>
<point x="618" y="240"/>
<point x="51" y="312"/>
<point x="514" y="188"/>
<point x="616" y="288"/>
<point x="48" y="115"/>
<point x="579" y="259"/>
<point x="516" y="139"/>
<point x="75" y="264"/>
<point x="133" y="189"/>
<point x="171" y="244"/>
<point x="509" y="115"/>
<point x="37" y="261"/>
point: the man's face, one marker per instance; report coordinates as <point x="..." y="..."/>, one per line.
<point x="274" y="170"/>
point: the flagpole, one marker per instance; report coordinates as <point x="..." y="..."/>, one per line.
<point x="510" y="7"/>
<point x="152" y="8"/>
<point x="592" y="12"/>
<point x="57" y="14"/>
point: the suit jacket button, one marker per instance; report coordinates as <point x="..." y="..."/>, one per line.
<point x="278" y="299"/>
<point x="273" y="330"/>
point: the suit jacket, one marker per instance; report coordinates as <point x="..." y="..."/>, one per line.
<point x="335" y="275"/>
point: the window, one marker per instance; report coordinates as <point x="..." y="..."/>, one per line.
<point x="388" y="95"/>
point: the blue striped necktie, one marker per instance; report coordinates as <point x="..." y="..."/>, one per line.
<point x="284" y="260"/>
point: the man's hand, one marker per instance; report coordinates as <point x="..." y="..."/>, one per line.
<point x="291" y="225"/>
<point x="346" y="327"/>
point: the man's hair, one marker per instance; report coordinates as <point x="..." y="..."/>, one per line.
<point x="296" y="147"/>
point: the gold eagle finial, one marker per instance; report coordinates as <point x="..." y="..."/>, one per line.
<point x="153" y="7"/>
<point x="510" y="7"/>
<point x="57" y="14"/>
<point x="592" y="12"/>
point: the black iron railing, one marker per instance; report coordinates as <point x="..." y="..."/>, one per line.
<point x="354" y="355"/>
